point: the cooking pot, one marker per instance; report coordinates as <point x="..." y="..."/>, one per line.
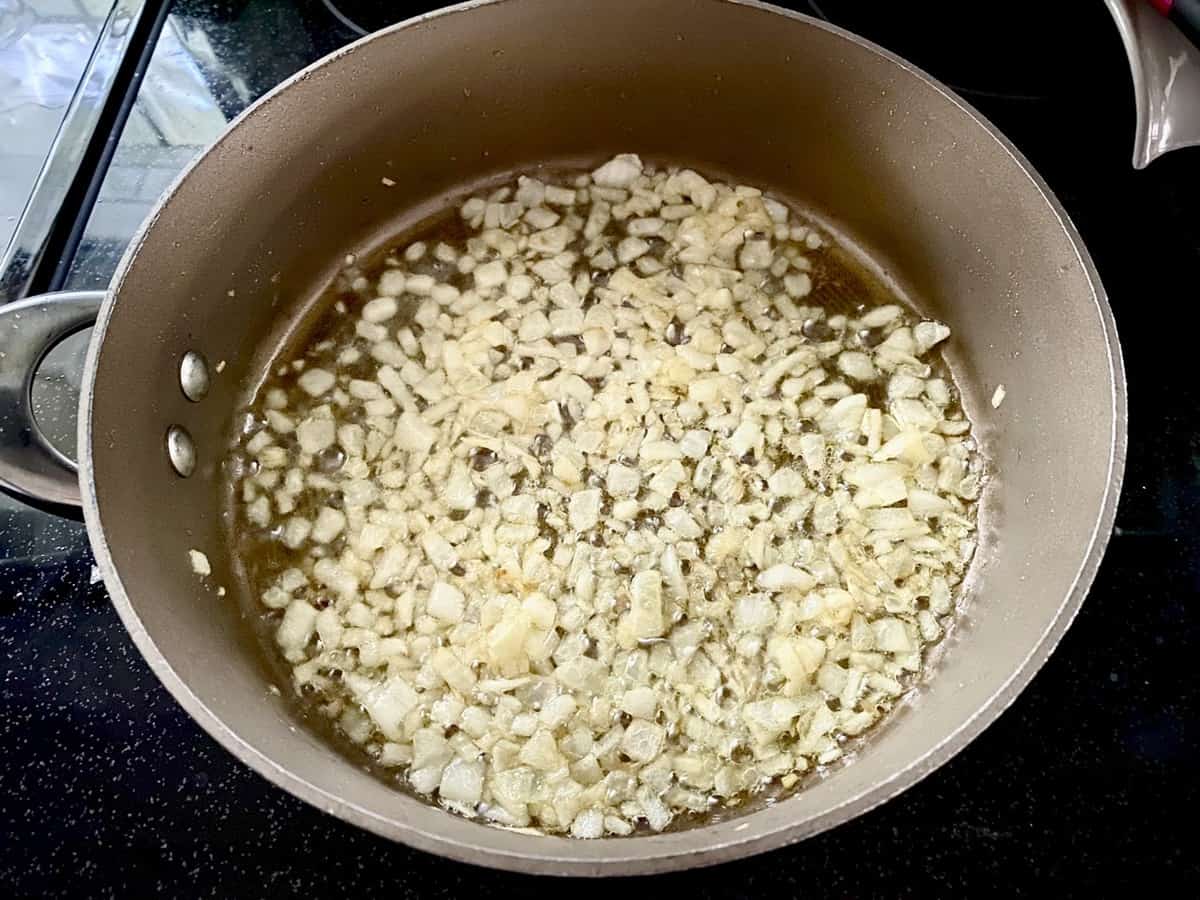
<point x="235" y="257"/>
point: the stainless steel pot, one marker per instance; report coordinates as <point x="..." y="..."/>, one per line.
<point x="242" y="245"/>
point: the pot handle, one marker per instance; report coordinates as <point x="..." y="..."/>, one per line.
<point x="30" y="466"/>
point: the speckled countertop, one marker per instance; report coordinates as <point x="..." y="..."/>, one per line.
<point x="1086" y="783"/>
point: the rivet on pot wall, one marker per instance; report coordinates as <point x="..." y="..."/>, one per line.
<point x="181" y="451"/>
<point x="193" y="375"/>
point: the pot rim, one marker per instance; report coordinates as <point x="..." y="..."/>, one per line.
<point x="720" y="842"/>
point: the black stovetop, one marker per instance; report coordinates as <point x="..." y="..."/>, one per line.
<point x="1087" y="783"/>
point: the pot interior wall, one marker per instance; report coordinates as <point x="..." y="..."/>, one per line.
<point x="251" y="235"/>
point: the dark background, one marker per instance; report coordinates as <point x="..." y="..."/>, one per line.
<point x="1087" y="784"/>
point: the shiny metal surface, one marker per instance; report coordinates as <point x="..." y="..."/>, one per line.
<point x="1165" y="67"/>
<point x="181" y="451"/>
<point x="49" y="113"/>
<point x="891" y="159"/>
<point x="29" y="464"/>
<point x="194" y="378"/>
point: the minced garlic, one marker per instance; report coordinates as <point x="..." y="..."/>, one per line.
<point x="592" y="522"/>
